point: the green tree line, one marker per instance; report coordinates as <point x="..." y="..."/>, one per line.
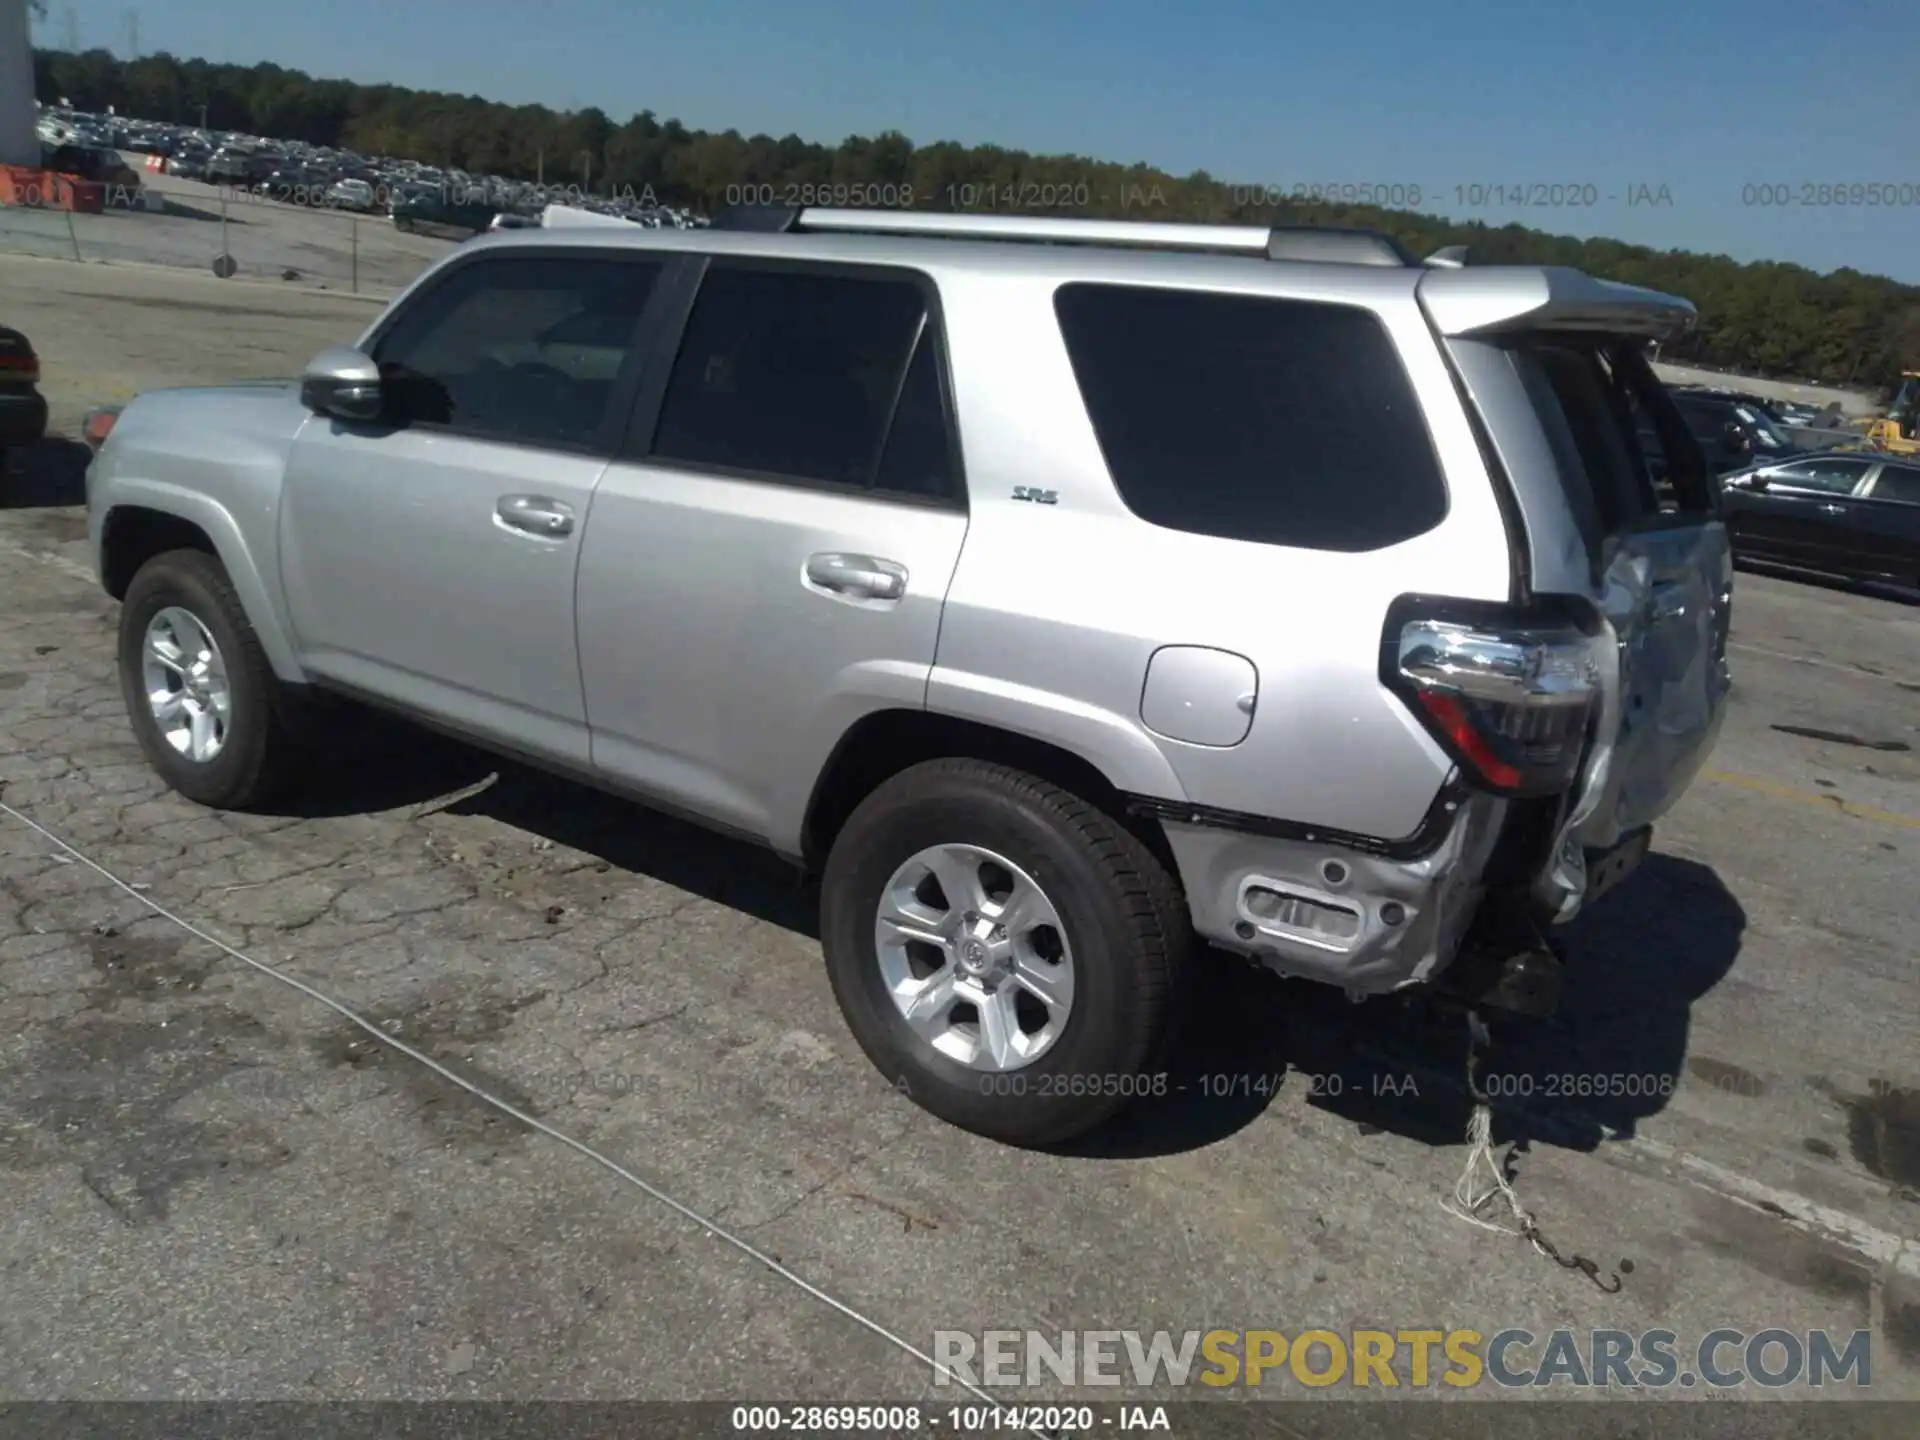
<point x="1763" y="318"/>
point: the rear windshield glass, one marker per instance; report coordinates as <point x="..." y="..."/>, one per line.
<point x="1279" y="421"/>
<point x="1618" y="442"/>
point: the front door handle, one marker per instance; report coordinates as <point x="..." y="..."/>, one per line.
<point x="1834" y="509"/>
<point x="535" y="514"/>
<point x="860" y="577"/>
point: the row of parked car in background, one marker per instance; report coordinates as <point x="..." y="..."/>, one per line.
<point x="1800" y="490"/>
<point x="426" y="199"/>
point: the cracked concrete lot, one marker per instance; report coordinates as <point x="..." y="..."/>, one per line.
<point x="216" y="1187"/>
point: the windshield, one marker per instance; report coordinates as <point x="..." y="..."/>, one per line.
<point x="1906" y="401"/>
<point x="1764" y="429"/>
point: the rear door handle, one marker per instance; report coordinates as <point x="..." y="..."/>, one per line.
<point x="1834" y="509"/>
<point x="535" y="514"/>
<point x="860" y="577"/>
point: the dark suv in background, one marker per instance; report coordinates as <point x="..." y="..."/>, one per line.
<point x="1734" y="431"/>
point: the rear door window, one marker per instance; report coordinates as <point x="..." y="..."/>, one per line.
<point x="1284" y="422"/>
<point x="795" y="374"/>
<point x="1898" y="483"/>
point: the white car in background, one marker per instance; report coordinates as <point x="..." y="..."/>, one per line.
<point x="351" y="195"/>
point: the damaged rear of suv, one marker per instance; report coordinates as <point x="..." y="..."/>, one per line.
<point x="1542" y="728"/>
<point x="1353" y="580"/>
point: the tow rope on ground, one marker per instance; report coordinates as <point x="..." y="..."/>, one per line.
<point x="1472" y="1193"/>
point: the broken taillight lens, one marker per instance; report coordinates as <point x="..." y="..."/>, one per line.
<point x="1510" y="698"/>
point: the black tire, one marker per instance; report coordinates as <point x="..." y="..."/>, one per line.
<point x="255" y="758"/>
<point x="1126" y="924"/>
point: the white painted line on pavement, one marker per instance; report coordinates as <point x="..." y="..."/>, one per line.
<point x="1881" y="1247"/>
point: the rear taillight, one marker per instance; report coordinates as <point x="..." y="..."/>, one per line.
<point x="19" y="367"/>
<point x="1510" y="697"/>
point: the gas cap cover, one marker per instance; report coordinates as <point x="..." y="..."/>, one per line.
<point x="1199" y="696"/>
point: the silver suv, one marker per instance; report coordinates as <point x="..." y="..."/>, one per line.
<point x="1063" y="593"/>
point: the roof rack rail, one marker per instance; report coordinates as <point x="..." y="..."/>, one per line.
<point x="1323" y="244"/>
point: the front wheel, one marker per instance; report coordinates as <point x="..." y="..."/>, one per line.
<point x="206" y="707"/>
<point x="1006" y="953"/>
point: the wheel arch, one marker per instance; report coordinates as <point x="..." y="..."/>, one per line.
<point x="880" y="745"/>
<point x="133" y="533"/>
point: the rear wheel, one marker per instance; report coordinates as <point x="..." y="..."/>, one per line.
<point x="206" y="707"/>
<point x="1005" y="952"/>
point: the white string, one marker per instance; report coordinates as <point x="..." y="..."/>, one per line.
<point x="745" y="1247"/>
<point x="1470" y="1198"/>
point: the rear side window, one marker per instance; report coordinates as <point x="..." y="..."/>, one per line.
<point x="798" y="375"/>
<point x="1898" y="484"/>
<point x="1828" y="475"/>
<point x="1280" y="421"/>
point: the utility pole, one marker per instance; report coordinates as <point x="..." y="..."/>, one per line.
<point x="70" y="28"/>
<point x="132" y="20"/>
<point x="19" y="143"/>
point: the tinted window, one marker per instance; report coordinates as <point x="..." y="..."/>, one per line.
<point x="1828" y="477"/>
<point x="918" y="459"/>
<point x="789" y="373"/>
<point x="522" y="349"/>
<point x="1280" y="421"/>
<point x="1706" y="421"/>
<point x="1763" y="427"/>
<point x="1590" y="422"/>
<point x="1898" y="483"/>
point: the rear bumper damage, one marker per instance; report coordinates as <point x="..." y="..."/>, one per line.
<point x="1370" y="920"/>
<point x="1483" y="875"/>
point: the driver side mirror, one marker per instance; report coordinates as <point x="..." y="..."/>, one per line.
<point x="344" y="383"/>
<point x="1756" y="481"/>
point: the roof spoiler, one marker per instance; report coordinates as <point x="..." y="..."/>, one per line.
<point x="1498" y="299"/>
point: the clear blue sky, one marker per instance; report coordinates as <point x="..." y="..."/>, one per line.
<point x="1703" y="97"/>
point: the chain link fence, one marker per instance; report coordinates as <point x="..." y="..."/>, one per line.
<point x="228" y="232"/>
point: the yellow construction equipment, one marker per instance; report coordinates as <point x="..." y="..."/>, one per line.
<point x="1898" y="431"/>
